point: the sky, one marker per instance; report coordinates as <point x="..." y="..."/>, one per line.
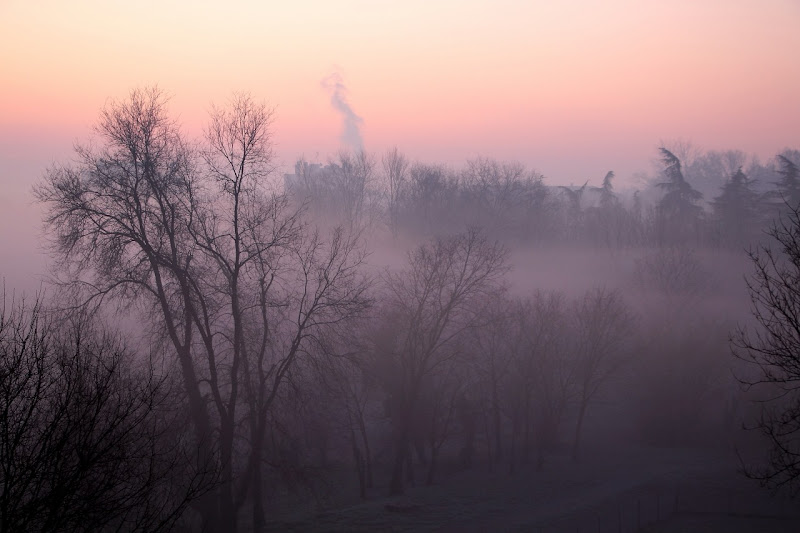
<point x="570" y="88"/>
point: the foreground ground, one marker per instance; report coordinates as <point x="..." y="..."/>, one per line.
<point x="654" y="490"/>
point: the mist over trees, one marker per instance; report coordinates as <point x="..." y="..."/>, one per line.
<point x="718" y="200"/>
<point x="371" y="323"/>
<point x="231" y="275"/>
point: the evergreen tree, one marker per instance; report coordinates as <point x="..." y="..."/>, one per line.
<point x="789" y="185"/>
<point x="678" y="210"/>
<point x="736" y="209"/>
<point x="607" y="196"/>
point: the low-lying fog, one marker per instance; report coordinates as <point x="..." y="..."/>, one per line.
<point x="373" y="343"/>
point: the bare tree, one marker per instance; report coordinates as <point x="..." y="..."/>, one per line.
<point x="118" y="226"/>
<point x="238" y="282"/>
<point x="493" y="347"/>
<point x="676" y="275"/>
<point x="89" y="439"/>
<point x="772" y="350"/>
<point x="395" y="167"/>
<point x="435" y="299"/>
<point x="682" y="375"/>
<point x="431" y="198"/>
<point x="340" y="192"/>
<point x="443" y="399"/>
<point x="603" y="326"/>
<point x="352" y="174"/>
<point x="502" y="197"/>
<point x="345" y="383"/>
<point x="543" y="377"/>
<point x="308" y="185"/>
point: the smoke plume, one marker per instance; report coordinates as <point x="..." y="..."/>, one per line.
<point x="351" y="123"/>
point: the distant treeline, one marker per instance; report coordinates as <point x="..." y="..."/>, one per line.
<point x="702" y="199"/>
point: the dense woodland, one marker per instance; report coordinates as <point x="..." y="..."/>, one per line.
<point x="360" y="326"/>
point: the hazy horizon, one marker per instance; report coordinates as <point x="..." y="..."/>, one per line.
<point x="572" y="90"/>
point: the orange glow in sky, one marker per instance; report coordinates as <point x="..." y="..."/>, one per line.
<point x="572" y="88"/>
<point x="600" y="82"/>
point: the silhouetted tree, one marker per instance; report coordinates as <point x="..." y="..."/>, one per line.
<point x="432" y="200"/>
<point x="678" y="210"/>
<point x="490" y="357"/>
<point x="310" y="185"/>
<point x="89" y="438"/>
<point x="541" y="380"/>
<point x="736" y="210"/>
<point x="118" y="225"/>
<point x="395" y="168"/>
<point x="435" y="299"/>
<point x="442" y="400"/>
<point x="676" y="276"/>
<point x="237" y="281"/>
<point x="603" y="326"/>
<point x="608" y="222"/>
<point x="573" y="211"/>
<point x="789" y="185"/>
<point x="574" y="195"/>
<point x="503" y="198"/>
<point x="352" y="176"/>
<point x="711" y="170"/>
<point x="347" y="385"/>
<point x="607" y="196"/>
<point x="772" y="350"/>
<point x="682" y="373"/>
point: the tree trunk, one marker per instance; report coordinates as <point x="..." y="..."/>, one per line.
<point x="419" y="446"/>
<point x="410" y="466"/>
<point x="396" y="486"/>
<point x="487" y="433"/>
<point x="498" y="426"/>
<point x="542" y="439"/>
<point x="540" y="455"/>
<point x="578" y="427"/>
<point x="227" y="504"/>
<point x="367" y="453"/>
<point x="526" y="443"/>
<point x="358" y="458"/>
<point x="432" y="465"/>
<point x="259" y="521"/>
<point x="209" y="504"/>
<point x="468" y="448"/>
<point x="513" y="448"/>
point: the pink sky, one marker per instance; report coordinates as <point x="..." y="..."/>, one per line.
<point x="571" y="88"/>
